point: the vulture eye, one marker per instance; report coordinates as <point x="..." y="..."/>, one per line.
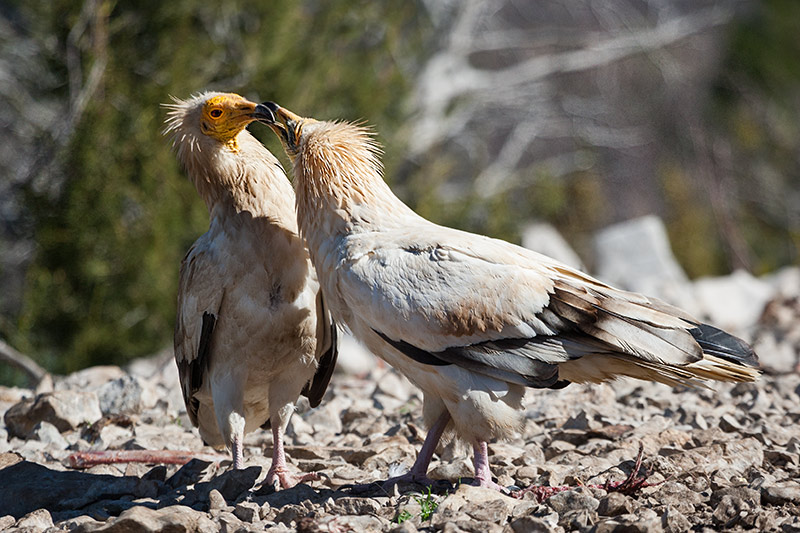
<point x="215" y="113"/>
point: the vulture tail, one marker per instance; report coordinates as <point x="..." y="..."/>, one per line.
<point x="725" y="357"/>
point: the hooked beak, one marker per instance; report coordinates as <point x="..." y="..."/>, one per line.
<point x="283" y="122"/>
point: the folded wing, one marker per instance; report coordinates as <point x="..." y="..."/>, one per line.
<point x="441" y="296"/>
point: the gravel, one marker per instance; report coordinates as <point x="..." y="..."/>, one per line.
<point x="727" y="458"/>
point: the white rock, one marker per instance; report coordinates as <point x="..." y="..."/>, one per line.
<point x="38" y="520"/>
<point x="121" y="396"/>
<point x="777" y="356"/>
<point x="354" y="357"/>
<point x="636" y="255"/>
<point x="785" y="281"/>
<point x="733" y="302"/>
<point x="48" y="434"/>
<point x="546" y="239"/>
<point x="90" y="379"/>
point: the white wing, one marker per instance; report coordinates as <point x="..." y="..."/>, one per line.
<point x="440" y="294"/>
<point x="199" y="300"/>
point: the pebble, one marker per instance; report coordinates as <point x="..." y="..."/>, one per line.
<point x="731" y="456"/>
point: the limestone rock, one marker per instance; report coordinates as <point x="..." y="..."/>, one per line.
<point x="39" y="519"/>
<point x="636" y="255"/>
<point x="545" y="239"/>
<point x="121" y="396"/>
<point x="66" y="410"/>
<point x="734" y="302"/>
<point x="176" y="518"/>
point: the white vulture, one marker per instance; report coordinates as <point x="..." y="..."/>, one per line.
<point x="252" y="330"/>
<point x="470" y="320"/>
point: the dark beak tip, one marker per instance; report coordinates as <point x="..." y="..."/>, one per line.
<point x="266" y="112"/>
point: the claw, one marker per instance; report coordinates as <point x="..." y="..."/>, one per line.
<point x="281" y="478"/>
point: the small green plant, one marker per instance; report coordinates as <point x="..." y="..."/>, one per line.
<point x="427" y="506"/>
<point x="403" y="516"/>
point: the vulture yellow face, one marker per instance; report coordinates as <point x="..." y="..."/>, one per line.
<point x="224" y="116"/>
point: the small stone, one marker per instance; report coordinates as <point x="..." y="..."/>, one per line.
<point x="121" y="396"/>
<point x="247" y="512"/>
<point x="630" y="523"/>
<point x="496" y="511"/>
<point x="48" y="434"/>
<point x="215" y="501"/>
<point x="37" y="520"/>
<point x="406" y="527"/>
<point x="729" y="424"/>
<point x="577" y="520"/>
<point x="91" y="378"/>
<point x="84" y="522"/>
<point x="581" y="421"/>
<point x="452" y="470"/>
<point x="614" y="504"/>
<point x="355" y="506"/>
<point x="636" y="255"/>
<point x="556" y="448"/>
<point x="732" y="503"/>
<point x="6" y="522"/>
<point x="229" y="523"/>
<point x="672" y="521"/>
<point x="290" y="513"/>
<point x="780" y="495"/>
<point x="573" y="500"/>
<point x="359" y="524"/>
<point x="529" y="524"/>
<point x="743" y="454"/>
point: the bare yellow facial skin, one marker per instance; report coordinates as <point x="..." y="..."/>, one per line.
<point x="225" y="116"/>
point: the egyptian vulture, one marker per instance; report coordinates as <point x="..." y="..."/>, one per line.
<point x="470" y="320"/>
<point x="252" y="331"/>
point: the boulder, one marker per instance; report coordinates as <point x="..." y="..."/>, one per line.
<point x="175" y="518"/>
<point x="545" y="239"/>
<point x="636" y="255"/>
<point x="66" y="410"/>
<point x="734" y="302"/>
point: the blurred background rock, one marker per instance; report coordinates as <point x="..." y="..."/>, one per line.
<point x="496" y="117"/>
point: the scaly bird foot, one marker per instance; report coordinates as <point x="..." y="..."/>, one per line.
<point x="281" y="478"/>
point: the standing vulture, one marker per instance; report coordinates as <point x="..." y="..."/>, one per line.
<point x="473" y="321"/>
<point x="252" y="330"/>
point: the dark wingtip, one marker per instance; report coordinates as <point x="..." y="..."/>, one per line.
<point x="716" y="342"/>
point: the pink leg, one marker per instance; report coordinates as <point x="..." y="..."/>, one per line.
<point x="278" y="473"/>
<point x="483" y="475"/>
<point x="419" y="471"/>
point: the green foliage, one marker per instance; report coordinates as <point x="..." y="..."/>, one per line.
<point x="403" y="516"/>
<point x="103" y="284"/>
<point x="115" y="217"/>
<point x="427" y="505"/>
<point x="757" y="113"/>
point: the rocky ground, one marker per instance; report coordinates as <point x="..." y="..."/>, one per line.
<point x="722" y="459"/>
